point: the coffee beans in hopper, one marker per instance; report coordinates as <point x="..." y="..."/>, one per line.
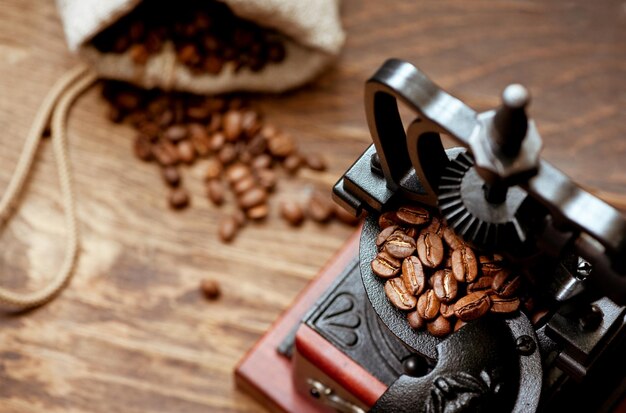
<point x="207" y="37"/>
<point x="436" y="277"/>
<point x="233" y="141"/>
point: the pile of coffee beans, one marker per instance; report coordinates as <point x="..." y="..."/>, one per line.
<point x="206" y="36"/>
<point x="439" y="280"/>
<point x="240" y="149"/>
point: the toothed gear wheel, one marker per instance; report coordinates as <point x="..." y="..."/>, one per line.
<point x="462" y="202"/>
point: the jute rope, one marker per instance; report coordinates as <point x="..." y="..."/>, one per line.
<point x="58" y="103"/>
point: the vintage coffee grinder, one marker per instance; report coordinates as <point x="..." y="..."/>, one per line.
<point x="343" y="347"/>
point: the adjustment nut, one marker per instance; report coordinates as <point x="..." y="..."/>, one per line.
<point x="495" y="166"/>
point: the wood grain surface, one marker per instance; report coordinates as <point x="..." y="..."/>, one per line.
<point x="132" y="333"/>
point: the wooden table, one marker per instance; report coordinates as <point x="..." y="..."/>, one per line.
<point x="132" y="333"/>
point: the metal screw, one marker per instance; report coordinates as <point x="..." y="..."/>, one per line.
<point x="415" y="366"/>
<point x="314" y="392"/>
<point x="525" y="345"/>
<point x="375" y="165"/>
<point x="583" y="269"/>
<point x="591" y="318"/>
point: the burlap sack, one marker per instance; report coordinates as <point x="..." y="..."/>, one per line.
<point x="312" y="28"/>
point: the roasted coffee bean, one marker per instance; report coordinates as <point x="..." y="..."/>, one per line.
<point x="257" y="146"/>
<point x="227" y="154"/>
<point x="213" y="64"/>
<point x="320" y="208"/>
<point x="186" y="152"/>
<point x="412" y="232"/>
<point x="384" y="235"/>
<point x="232" y="125"/>
<point x="267" y="178"/>
<point x="315" y="162"/>
<point x="398" y="295"/>
<point x="491" y="266"/>
<point x="472" y="306"/>
<point x="251" y="123"/>
<point x="504" y="305"/>
<point x="115" y="115"/>
<point x="165" y="153"/>
<point x="240" y="217"/>
<point x="464" y="266"/>
<point x="269" y="131"/>
<point x="445" y="285"/>
<point x="258" y="212"/>
<point x="447" y="310"/>
<point x="385" y="265"/>
<point x="416" y="321"/>
<point x="150" y="130"/>
<point x="215" y="191"/>
<point x="413" y="215"/>
<point x="454" y="241"/>
<point x="127" y="100"/>
<point x="217" y="141"/>
<point x="400" y="245"/>
<point x="413" y="275"/>
<point x="188" y="54"/>
<point x="387" y="219"/>
<point x="198" y="113"/>
<point x="170" y="175"/>
<point x="430" y="249"/>
<point x="345" y="216"/>
<point x="481" y="284"/>
<point x="292" y="212"/>
<point x="175" y="133"/>
<point x="213" y="170"/>
<point x="237" y="172"/>
<point x="179" y="198"/>
<point x="439" y="327"/>
<point x="210" y="289"/>
<point x="292" y="163"/>
<point x="505" y="283"/>
<point x="200" y="139"/>
<point x="435" y="227"/>
<point x="228" y="229"/>
<point x="203" y="44"/>
<point x="276" y="52"/>
<point x="244" y="185"/>
<point x="428" y="305"/>
<point x="253" y="197"/>
<point x="281" y="145"/>
<point x="143" y="148"/>
<point x="263" y="161"/>
<point x="139" y="54"/>
<point x="166" y="118"/>
<point x="459" y="325"/>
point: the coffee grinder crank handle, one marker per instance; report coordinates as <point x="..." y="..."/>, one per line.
<point x="505" y="145"/>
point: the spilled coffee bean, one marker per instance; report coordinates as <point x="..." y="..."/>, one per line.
<point x="240" y="150"/>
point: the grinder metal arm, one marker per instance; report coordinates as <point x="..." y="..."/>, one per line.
<point x="514" y="198"/>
